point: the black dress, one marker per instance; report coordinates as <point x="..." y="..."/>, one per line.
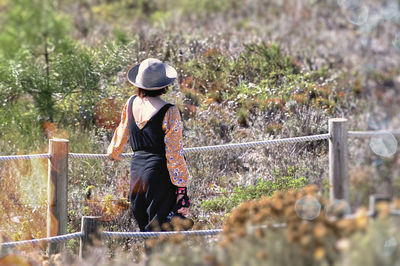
<point x="152" y="194"/>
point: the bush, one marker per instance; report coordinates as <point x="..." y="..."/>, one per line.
<point x="259" y="61"/>
<point x="230" y="200"/>
<point x="248" y="237"/>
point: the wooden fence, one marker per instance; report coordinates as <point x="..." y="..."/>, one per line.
<point x="58" y="177"/>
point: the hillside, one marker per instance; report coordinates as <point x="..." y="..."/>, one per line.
<point x="248" y="70"/>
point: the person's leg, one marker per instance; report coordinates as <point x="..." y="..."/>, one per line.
<point x="138" y="205"/>
<point x="138" y="202"/>
<point x="161" y="198"/>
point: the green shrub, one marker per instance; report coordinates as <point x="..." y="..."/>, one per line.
<point x="260" y="61"/>
<point x="18" y="131"/>
<point x="242" y="117"/>
<point x="230" y="200"/>
<point x="215" y="71"/>
<point x="260" y="77"/>
<point x="155" y="11"/>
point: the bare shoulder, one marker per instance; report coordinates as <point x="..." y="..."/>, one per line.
<point x="163" y="102"/>
<point x="158" y="102"/>
<point x="135" y="99"/>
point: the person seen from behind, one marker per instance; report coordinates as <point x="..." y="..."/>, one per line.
<point x="158" y="171"/>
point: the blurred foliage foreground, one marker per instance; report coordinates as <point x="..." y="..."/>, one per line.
<point x="315" y="233"/>
<point x="61" y="79"/>
<point x="53" y="85"/>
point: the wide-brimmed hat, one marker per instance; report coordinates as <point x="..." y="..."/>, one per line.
<point x="151" y="74"/>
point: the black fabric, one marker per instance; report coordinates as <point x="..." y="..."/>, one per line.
<point x="183" y="202"/>
<point x="151" y="136"/>
<point x="152" y="194"/>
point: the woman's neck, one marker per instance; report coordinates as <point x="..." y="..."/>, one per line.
<point x="149" y="98"/>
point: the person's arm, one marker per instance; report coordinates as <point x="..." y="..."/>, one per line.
<point x="121" y="135"/>
<point x="172" y="125"/>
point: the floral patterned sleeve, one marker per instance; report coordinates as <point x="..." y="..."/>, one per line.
<point x="172" y="125"/>
<point x="121" y="135"/>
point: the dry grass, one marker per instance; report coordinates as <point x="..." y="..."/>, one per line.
<point x="362" y="77"/>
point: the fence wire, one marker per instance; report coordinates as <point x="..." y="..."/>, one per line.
<point x="222" y="147"/>
<point x="158" y="234"/>
<point x="231" y="146"/>
<point x="368" y="134"/>
<point x="144" y="235"/>
<point x="25" y="157"/>
<point x="51" y="239"/>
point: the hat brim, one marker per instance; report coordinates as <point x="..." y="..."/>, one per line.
<point x="170" y="77"/>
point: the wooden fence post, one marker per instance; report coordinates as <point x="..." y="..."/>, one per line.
<point x="91" y="230"/>
<point x="57" y="194"/>
<point x="338" y="169"/>
<point x="374" y="200"/>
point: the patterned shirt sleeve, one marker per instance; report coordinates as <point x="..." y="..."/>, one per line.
<point x="121" y="135"/>
<point x="172" y="125"/>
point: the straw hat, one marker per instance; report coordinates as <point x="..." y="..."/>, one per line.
<point x="151" y="74"/>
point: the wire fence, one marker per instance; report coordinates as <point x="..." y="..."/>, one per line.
<point x="223" y="147"/>
<point x="368" y="134"/>
<point x="25" y="157"/>
<point x="53" y="239"/>
<point x="145" y="235"/>
<point x="158" y="234"/>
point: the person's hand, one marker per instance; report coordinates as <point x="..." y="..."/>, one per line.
<point x="182" y="201"/>
<point x="184" y="210"/>
<point x="113" y="159"/>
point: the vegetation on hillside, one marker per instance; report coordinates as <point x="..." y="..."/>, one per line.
<point x="248" y="71"/>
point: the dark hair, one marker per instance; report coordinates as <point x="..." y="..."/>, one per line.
<point x="147" y="93"/>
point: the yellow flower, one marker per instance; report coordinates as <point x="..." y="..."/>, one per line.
<point x="346" y="226"/>
<point x="319" y="253"/>
<point x="258" y="218"/>
<point x="289" y="210"/>
<point x="208" y="101"/>
<point x="361" y="221"/>
<point x="319" y="231"/>
<point x="304" y="228"/>
<point x="277" y="205"/>
<point x="305" y="240"/>
<point x="311" y="189"/>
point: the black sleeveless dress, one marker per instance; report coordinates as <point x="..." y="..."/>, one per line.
<point x="152" y="194"/>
